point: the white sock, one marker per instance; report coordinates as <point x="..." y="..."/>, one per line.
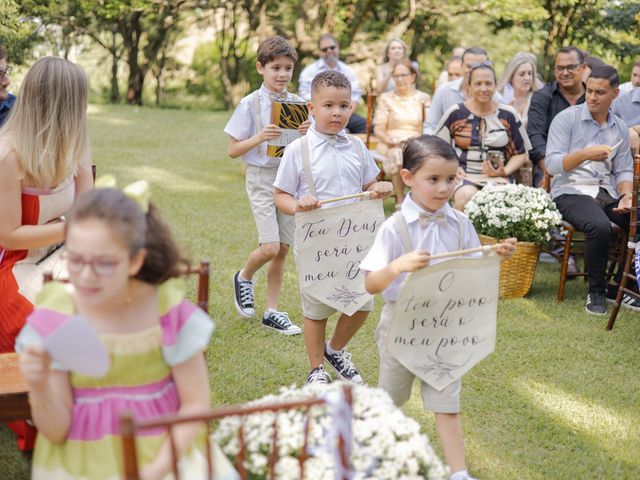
<point x="240" y="277"/>
<point x="459" y="475"/>
<point x="331" y="350"/>
<point x="269" y="310"/>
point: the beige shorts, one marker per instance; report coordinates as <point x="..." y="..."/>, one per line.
<point x="396" y="379"/>
<point x="314" y="309"/>
<point x="271" y="223"/>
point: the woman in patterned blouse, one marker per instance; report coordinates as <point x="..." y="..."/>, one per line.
<point x="489" y="137"/>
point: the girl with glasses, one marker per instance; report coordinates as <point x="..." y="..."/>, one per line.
<point x="122" y="267"/>
<point x="488" y="137"/>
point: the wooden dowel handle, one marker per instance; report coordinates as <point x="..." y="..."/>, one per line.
<point x="344" y="197"/>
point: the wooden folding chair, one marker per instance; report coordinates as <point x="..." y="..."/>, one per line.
<point x="627" y="273"/>
<point x="129" y="427"/>
<point x="371" y="103"/>
<point x="573" y="244"/>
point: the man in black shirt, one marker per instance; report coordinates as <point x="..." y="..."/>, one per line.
<point x="546" y="103"/>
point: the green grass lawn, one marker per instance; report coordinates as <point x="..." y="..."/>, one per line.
<point x="559" y="398"/>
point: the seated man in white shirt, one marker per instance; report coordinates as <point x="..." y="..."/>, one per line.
<point x="329" y="52"/>
<point x="635" y="79"/>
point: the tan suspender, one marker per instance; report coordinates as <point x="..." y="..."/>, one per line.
<point x="306" y="165"/>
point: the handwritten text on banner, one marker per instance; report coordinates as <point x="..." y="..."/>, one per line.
<point x="444" y="322"/>
<point x="329" y="244"/>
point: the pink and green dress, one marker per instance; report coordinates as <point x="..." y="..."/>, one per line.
<point x="138" y="380"/>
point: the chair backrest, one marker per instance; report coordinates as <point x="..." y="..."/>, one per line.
<point x="203" y="270"/>
<point x="371" y="103"/>
<point x="633" y="217"/>
<point x="129" y="427"/>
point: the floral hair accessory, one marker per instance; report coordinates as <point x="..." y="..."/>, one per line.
<point x="139" y="192"/>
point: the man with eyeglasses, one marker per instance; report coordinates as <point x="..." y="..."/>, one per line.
<point x="589" y="157"/>
<point x="6" y="99"/>
<point x="546" y="103"/>
<point x="456" y="91"/>
<point x="329" y="52"/>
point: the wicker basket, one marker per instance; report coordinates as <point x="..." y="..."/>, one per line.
<point x="516" y="274"/>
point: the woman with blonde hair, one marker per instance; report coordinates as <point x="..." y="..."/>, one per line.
<point x="44" y="164"/>
<point x="519" y="81"/>
<point x="394" y="52"/>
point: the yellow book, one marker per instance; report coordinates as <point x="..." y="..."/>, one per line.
<point x="288" y="116"/>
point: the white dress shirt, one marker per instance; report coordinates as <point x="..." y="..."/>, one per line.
<point x="435" y="237"/>
<point x="336" y="167"/>
<point x="242" y="124"/>
<point x="310" y="71"/>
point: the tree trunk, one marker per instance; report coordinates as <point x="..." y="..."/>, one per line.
<point x="114" y="96"/>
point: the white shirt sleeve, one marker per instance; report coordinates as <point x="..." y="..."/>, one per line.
<point x="385" y="249"/>
<point x="356" y="91"/>
<point x="304" y="81"/>
<point x="242" y="123"/>
<point x="370" y="171"/>
<point x="289" y="171"/>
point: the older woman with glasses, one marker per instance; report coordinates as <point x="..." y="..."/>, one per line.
<point x="44" y="164"/>
<point x="398" y="117"/>
<point x="489" y="137"/>
<point x="519" y="81"/>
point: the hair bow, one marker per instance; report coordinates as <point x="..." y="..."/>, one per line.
<point x="139" y="192"/>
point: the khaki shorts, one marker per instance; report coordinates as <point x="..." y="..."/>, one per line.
<point x="396" y="379"/>
<point x="314" y="309"/>
<point x="271" y="223"/>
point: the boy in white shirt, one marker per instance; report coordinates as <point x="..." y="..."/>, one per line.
<point x="249" y="130"/>
<point x="339" y="165"/>
<point x="425" y="225"/>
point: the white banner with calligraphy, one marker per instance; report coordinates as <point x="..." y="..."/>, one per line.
<point x="444" y="322"/>
<point x="329" y="245"/>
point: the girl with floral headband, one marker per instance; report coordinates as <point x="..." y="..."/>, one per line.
<point x="122" y="264"/>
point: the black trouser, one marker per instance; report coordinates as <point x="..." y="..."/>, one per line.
<point x="593" y="216"/>
<point x="357" y="124"/>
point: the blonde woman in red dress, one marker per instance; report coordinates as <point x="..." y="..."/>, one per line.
<point x="44" y="164"/>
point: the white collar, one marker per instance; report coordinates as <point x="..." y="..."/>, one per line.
<point x="316" y="138"/>
<point x="411" y="210"/>
<point x="456" y="84"/>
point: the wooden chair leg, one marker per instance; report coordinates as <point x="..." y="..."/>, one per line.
<point x="564" y="266"/>
<point x="129" y="453"/>
<point x="621" y="287"/>
<point x="203" y="285"/>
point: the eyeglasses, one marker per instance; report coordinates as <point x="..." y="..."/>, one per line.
<point x="326" y="49"/>
<point x="100" y="267"/>
<point x="6" y="71"/>
<point x="569" y="68"/>
<point x="402" y="75"/>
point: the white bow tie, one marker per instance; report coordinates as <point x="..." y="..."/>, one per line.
<point x="427" y="218"/>
<point x="278" y="97"/>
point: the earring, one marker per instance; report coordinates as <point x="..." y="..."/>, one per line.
<point x="128" y="298"/>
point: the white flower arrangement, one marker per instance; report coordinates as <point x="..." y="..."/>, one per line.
<point x="386" y="444"/>
<point x="504" y="211"/>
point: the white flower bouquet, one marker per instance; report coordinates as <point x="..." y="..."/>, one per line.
<point x="385" y="443"/>
<point x="503" y="211"/>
